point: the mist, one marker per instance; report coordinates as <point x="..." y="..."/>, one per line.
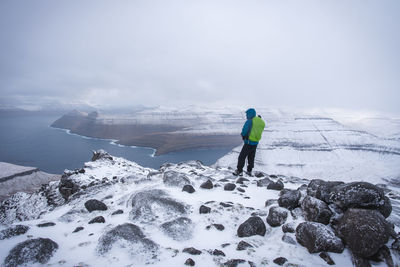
<point x="305" y="54"/>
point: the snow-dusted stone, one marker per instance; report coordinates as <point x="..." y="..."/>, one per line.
<point x="117" y="212"/>
<point x="192" y="251"/>
<point x="149" y="205"/>
<point x="358" y="195"/>
<point x="276" y="216"/>
<point x="217" y="226"/>
<point x="288" y="228"/>
<point x="321" y="189"/>
<point x="364" y="231"/>
<point x="288" y="239"/>
<point x="386" y="208"/>
<point x="316" y="210"/>
<point x="67" y="186"/>
<point x="207" y="184"/>
<point x="280" y="261"/>
<point x="234" y="262"/>
<point x="98" y="219"/>
<point x="204" y="209"/>
<point x="296" y="213"/>
<point x="383" y="254"/>
<point x="325" y="256"/>
<point x="12" y="231"/>
<point x="263" y="182"/>
<point x="360" y="261"/>
<point x="229" y="187"/>
<point x="188" y="188"/>
<point x="217" y="252"/>
<point x="128" y="237"/>
<point x="241" y="180"/>
<point x="94" y="204"/>
<point x="101" y="154"/>
<point x="190" y="262"/>
<point x="179" y="229"/>
<point x="278" y="185"/>
<point x="78" y="229"/>
<point x="173" y="178"/>
<point x="317" y="237"/>
<point x="31" y="251"/>
<point x="252" y="226"/>
<point x="47" y="224"/>
<point x="289" y="199"/>
<point x="243" y="245"/>
<point x="259" y="174"/>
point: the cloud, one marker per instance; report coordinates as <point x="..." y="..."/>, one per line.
<point x="281" y="53"/>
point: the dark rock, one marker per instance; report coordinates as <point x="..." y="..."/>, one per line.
<point x="219" y="227"/>
<point x="241" y="180"/>
<point x="321" y="189"/>
<point x="364" y="231"/>
<point x="204" y="209"/>
<point x="275" y="185"/>
<point x="101" y="154"/>
<point x="383" y="254"/>
<point x="288" y="228"/>
<point x="225" y="245"/>
<point x="81" y="171"/>
<point x="317" y="237"/>
<point x="359" y="261"/>
<point x="259" y="174"/>
<point x="263" y="182"/>
<point x="288" y="239"/>
<point x="358" y="195"/>
<point x="234" y="262"/>
<point x="98" y="219"/>
<point x="31" y="251"/>
<point x="277" y="216"/>
<point x="386" y="208"/>
<point x="134" y="241"/>
<point x="179" y="229"/>
<point x="94" y="204"/>
<point x="12" y="231"/>
<point x="229" y="187"/>
<point x="153" y="204"/>
<point x="67" y="186"/>
<point x="325" y="256"/>
<point x="252" y="226"/>
<point x="173" y="178"/>
<point x="192" y="251"/>
<point x="396" y="245"/>
<point x="316" y="210"/>
<point x="77" y="229"/>
<point x="117" y="212"/>
<point x="225" y="205"/>
<point x="280" y="261"/>
<point x="190" y="262"/>
<point x="207" y="185"/>
<point x="188" y="188"/>
<point x="289" y="199"/>
<point x="243" y="245"/>
<point x="48" y="224"/>
<point x="218" y="252"/>
<point x="241" y="190"/>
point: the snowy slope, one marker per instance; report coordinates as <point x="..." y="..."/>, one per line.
<point x="118" y="183"/>
<point x="320" y="147"/>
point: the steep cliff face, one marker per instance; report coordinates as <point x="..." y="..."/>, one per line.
<point x="113" y="211"/>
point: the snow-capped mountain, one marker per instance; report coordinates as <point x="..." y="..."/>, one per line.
<point x="115" y="212"/>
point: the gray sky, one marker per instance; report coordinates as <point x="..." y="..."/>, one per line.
<point x="322" y="53"/>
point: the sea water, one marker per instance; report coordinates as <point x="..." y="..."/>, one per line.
<point x="29" y="140"/>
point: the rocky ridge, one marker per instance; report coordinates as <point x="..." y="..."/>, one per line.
<point x="113" y="211"/>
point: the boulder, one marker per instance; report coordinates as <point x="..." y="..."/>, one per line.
<point x="364" y="231"/>
<point x="67" y="186"/>
<point x="12" y="231"/>
<point x="101" y="154"/>
<point x="321" y="189"/>
<point x="30" y="252"/>
<point x="188" y="188"/>
<point x="98" y="219"/>
<point x="130" y="238"/>
<point x="155" y="204"/>
<point x="94" y="204"/>
<point x="190" y="262"/>
<point x="243" y="245"/>
<point x="192" y="251"/>
<point x="276" y="216"/>
<point x="275" y="185"/>
<point x="177" y="179"/>
<point x="229" y="187"/>
<point x="263" y="182"/>
<point x="233" y="262"/>
<point x="289" y="199"/>
<point x="357" y="195"/>
<point x="117" y="212"/>
<point x="317" y="237"/>
<point x="207" y="184"/>
<point x="217" y="252"/>
<point x="204" y="209"/>
<point x="280" y="261"/>
<point x="252" y="226"/>
<point x="288" y="228"/>
<point x="316" y="210"/>
<point x="179" y="229"/>
<point x="241" y="180"/>
<point x="78" y="229"/>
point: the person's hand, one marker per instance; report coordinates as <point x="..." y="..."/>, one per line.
<point x="243" y="137"/>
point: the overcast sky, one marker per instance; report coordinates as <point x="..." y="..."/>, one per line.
<point x="322" y="53"/>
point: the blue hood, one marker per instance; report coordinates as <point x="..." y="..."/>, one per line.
<point x="250" y="113"/>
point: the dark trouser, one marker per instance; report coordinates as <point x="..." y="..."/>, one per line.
<point x="249" y="152"/>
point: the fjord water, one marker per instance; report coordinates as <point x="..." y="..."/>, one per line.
<point x="30" y="141"/>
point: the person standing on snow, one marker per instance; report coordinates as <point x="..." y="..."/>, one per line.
<point x="251" y="135"/>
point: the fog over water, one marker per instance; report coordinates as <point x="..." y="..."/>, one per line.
<point x="340" y="54"/>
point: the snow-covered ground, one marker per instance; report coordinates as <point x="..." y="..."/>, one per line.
<point x="310" y="146"/>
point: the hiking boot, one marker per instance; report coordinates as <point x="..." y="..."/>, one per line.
<point x="249" y="173"/>
<point x="238" y="173"/>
